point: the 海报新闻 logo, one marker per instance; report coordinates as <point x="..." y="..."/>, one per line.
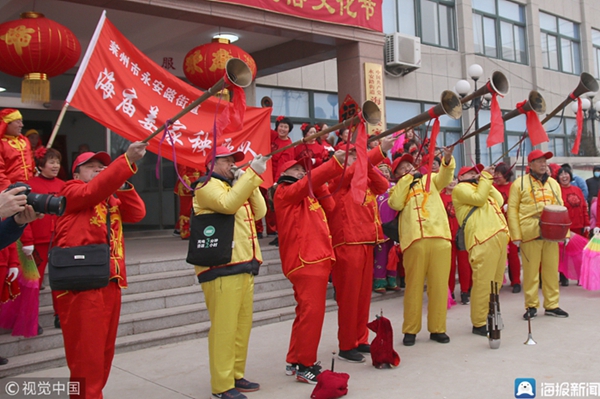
<point x="524" y="388"/>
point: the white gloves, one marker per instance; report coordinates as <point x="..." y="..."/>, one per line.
<point x="505" y="207"/>
<point x="567" y="241"/>
<point x="237" y="174"/>
<point x="517" y="243"/>
<point x="28" y="250"/>
<point x="14" y="272"/>
<point x="259" y="164"/>
<point x="596" y="230"/>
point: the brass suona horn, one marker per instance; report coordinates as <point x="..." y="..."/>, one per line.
<point x="535" y="102"/>
<point x="237" y="72"/>
<point x="586" y="84"/>
<point x="449" y="105"/>
<point x="499" y="84"/>
<point x="370" y="112"/>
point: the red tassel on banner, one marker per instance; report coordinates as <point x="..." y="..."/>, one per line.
<point x="358" y="185"/>
<point x="575" y="149"/>
<point x="496" y="135"/>
<point x="537" y="133"/>
<point x="239" y="105"/>
<point x="434" y="133"/>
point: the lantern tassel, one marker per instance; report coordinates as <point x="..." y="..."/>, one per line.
<point x="35" y="88"/>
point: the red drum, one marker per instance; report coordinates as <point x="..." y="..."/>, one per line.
<point x="554" y="223"/>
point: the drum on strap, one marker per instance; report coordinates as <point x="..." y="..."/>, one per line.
<point x="554" y="223"/>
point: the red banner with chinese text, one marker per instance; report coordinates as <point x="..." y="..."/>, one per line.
<point x="360" y="13"/>
<point x="128" y="93"/>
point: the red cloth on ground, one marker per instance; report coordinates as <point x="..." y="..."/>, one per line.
<point x="330" y="385"/>
<point x="382" y="346"/>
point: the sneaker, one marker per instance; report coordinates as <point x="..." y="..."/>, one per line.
<point x="442" y="338"/>
<point x="516" y="288"/>
<point x="364" y="348"/>
<point x="464" y="298"/>
<point x="409" y="339"/>
<point x="243" y="385"/>
<point x="308" y="374"/>
<point x="532" y="312"/>
<point x="480" y="331"/>
<point x="231" y="394"/>
<point x="176" y="233"/>
<point x="3" y="361"/>
<point x="556" y="312"/>
<point x="352" y="356"/>
<point x="290" y="369"/>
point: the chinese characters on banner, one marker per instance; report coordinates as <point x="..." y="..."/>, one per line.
<point x="359" y="13"/>
<point x="128" y="93"/>
<point x="374" y="92"/>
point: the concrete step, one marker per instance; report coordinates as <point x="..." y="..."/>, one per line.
<point x="38" y="358"/>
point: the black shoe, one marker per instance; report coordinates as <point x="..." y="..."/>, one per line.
<point x="308" y="374"/>
<point x="275" y="241"/>
<point x="442" y="338"/>
<point x="176" y="233"/>
<point x="464" y="298"/>
<point x="532" y="312"/>
<point x="480" y="331"/>
<point x="40" y="330"/>
<point x="402" y="282"/>
<point x="352" y="356"/>
<point x="3" y="361"/>
<point x="564" y="281"/>
<point x="409" y="339"/>
<point x="243" y="385"/>
<point x="516" y="288"/>
<point x="364" y="348"/>
<point x="56" y="321"/>
<point x="557" y="312"/>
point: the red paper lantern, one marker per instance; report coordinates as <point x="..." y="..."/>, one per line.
<point x="36" y="48"/>
<point x="205" y="65"/>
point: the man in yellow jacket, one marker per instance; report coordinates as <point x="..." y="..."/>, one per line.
<point x="425" y="243"/>
<point x="528" y="196"/>
<point x="486" y="235"/>
<point x="229" y="288"/>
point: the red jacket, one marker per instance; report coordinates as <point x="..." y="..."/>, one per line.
<point x="350" y="222"/>
<point x="447" y="200"/>
<point x="42" y="228"/>
<point x="282" y="157"/>
<point x="16" y="160"/>
<point x="84" y="220"/>
<point x="575" y="202"/>
<point x="9" y="258"/>
<point x="314" y="151"/>
<point x="304" y="236"/>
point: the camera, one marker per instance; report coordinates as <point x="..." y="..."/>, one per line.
<point x="42" y="203"/>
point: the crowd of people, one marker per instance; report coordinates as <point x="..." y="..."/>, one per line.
<point x="328" y="207"/>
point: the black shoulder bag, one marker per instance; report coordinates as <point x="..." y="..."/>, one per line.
<point x="80" y="268"/>
<point x="460" y="234"/>
<point x="211" y="239"/>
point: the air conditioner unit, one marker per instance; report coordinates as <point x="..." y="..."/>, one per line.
<point x="402" y="53"/>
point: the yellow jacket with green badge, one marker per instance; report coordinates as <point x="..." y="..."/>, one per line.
<point x="525" y="205"/>
<point x="487" y="220"/>
<point x="247" y="203"/>
<point x="423" y="214"/>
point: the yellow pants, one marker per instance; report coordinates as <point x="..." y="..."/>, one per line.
<point x="427" y="258"/>
<point x="229" y="301"/>
<point x="545" y="253"/>
<point x="488" y="261"/>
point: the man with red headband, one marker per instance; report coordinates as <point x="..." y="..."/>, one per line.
<point x="486" y="235"/>
<point x="16" y="157"/>
<point x="425" y="243"/>
<point x="529" y="194"/>
<point x="306" y="255"/>
<point x="229" y="287"/>
<point x="356" y="229"/>
<point x="98" y="194"/>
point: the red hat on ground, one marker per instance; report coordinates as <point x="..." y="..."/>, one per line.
<point x="466" y="169"/>
<point x="536" y="154"/>
<point x="223" y="152"/>
<point x="404" y="158"/>
<point x="288" y="164"/>
<point x="88" y="156"/>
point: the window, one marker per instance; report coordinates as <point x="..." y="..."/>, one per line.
<point x="432" y="20"/>
<point x="596" y="51"/>
<point x="450" y="130"/>
<point x="561" y="47"/>
<point x="301" y="106"/>
<point x="499" y="30"/>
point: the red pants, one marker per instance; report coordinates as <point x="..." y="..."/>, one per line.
<point x="185" y="211"/>
<point x="89" y="321"/>
<point x="40" y="254"/>
<point x="514" y="264"/>
<point x="460" y="258"/>
<point x="353" y="281"/>
<point x="310" y="290"/>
